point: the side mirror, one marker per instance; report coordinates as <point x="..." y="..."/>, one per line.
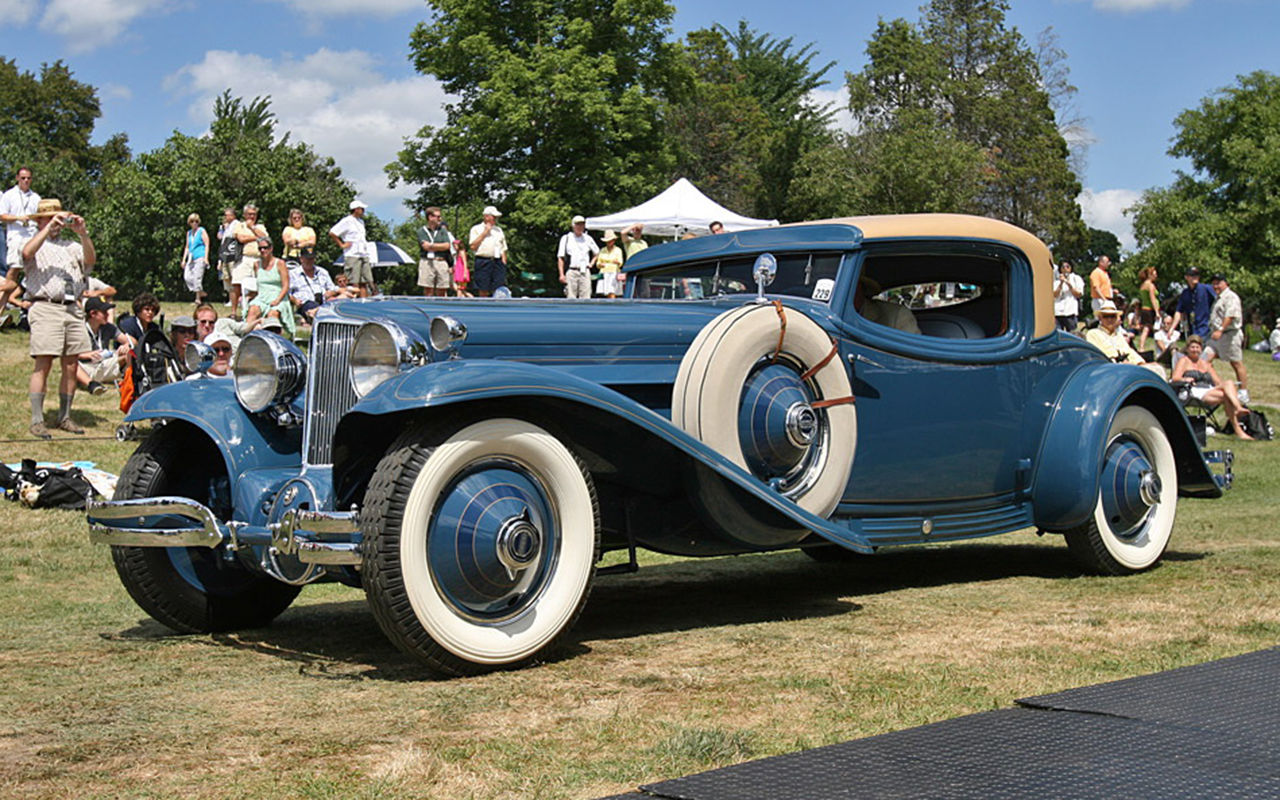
<point x="764" y="270"/>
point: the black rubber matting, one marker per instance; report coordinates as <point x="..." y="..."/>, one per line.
<point x="1238" y="695"/>
<point x="1197" y="732"/>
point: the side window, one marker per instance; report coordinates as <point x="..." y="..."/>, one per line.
<point x="946" y="296"/>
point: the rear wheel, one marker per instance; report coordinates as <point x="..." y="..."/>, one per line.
<point x="1137" y="498"/>
<point x="191" y="589"/>
<point x="480" y="542"/>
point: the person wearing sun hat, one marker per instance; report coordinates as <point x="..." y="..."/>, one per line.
<point x="1110" y="339"/>
<point x="609" y="261"/>
<point x="489" y="244"/>
<point x="55" y="271"/>
<point x="224" y="346"/>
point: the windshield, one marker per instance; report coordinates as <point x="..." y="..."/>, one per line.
<point x="809" y="275"/>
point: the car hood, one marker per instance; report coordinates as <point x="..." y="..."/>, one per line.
<point x="632" y="340"/>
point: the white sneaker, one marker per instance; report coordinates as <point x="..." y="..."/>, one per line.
<point x="1244" y="396"/>
<point x="227" y="304"/>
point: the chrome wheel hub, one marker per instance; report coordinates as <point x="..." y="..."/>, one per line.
<point x="518" y="543"/>
<point x="802" y="424"/>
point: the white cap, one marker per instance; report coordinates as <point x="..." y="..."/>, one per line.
<point x="491" y="211"/>
<point x="579" y="218"/>
<point x="222" y="336"/>
<point x="357" y="204"/>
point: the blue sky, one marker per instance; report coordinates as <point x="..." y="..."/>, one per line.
<point x="339" y="76"/>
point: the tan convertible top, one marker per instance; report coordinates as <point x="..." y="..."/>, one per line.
<point x="954" y="226"/>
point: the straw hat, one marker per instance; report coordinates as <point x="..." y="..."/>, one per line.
<point x="1107" y="307"/>
<point x="48" y="207"/>
<point x="609" y="236"/>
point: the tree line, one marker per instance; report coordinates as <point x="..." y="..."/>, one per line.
<point x="590" y="106"/>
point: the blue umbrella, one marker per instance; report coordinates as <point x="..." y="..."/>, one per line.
<point x="386" y="254"/>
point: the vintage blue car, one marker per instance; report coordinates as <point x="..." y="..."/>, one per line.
<point x="468" y="462"/>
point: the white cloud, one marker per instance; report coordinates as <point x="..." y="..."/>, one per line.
<point x="87" y="24"/>
<point x="336" y="101"/>
<point x="379" y="8"/>
<point x="841" y="119"/>
<point x="17" y="12"/>
<point x="115" y="91"/>
<point x="1106" y="210"/>
<point x="1138" y="5"/>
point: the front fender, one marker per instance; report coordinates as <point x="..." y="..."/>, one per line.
<point x="1068" y="464"/>
<point x="451" y="382"/>
<point x="246" y="441"/>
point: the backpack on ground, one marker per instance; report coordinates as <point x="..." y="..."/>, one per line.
<point x="1255" y="424"/>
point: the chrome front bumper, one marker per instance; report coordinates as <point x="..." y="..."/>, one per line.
<point x="314" y="537"/>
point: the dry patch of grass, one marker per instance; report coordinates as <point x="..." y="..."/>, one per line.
<point x="683" y="666"/>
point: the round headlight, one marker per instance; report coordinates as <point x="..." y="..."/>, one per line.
<point x="447" y="333"/>
<point x="375" y="357"/>
<point x="198" y="357"/>
<point x="269" y="370"/>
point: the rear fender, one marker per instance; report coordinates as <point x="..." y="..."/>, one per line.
<point x="1068" y="465"/>
<point x="445" y="385"/>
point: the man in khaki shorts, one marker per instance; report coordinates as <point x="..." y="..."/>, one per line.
<point x="1226" y="334"/>
<point x="244" y="274"/>
<point x="435" y="267"/>
<point x="55" y="277"/>
<point x="349" y="234"/>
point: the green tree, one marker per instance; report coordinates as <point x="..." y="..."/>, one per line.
<point x="782" y="79"/>
<point x="46" y="122"/>
<point x="1224" y="215"/>
<point x="557" y="112"/>
<point x="140" y="220"/>
<point x="963" y="70"/>
<point x="717" y="127"/>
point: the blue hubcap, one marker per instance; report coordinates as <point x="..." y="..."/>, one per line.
<point x="492" y="541"/>
<point x="776" y="424"/>
<point x="1130" y="487"/>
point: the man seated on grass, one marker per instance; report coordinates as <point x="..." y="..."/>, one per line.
<point x="103" y="364"/>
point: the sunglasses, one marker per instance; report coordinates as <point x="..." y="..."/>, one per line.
<point x="222" y="350"/>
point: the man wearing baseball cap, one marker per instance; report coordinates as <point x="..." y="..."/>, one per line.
<point x="349" y="234"/>
<point x="102" y="364"/>
<point x="489" y="244"/>
<point x="575" y="257"/>
<point x="1194" y="304"/>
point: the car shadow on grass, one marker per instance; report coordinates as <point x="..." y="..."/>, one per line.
<point x="340" y="640"/>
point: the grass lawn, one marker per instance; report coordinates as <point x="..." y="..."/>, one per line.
<point x="686" y="665"/>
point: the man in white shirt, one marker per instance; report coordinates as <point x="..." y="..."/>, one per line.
<point x="1226" y="332"/>
<point x="1068" y="288"/>
<point x="311" y="287"/>
<point x="17" y="207"/>
<point x="575" y="257"/>
<point x="349" y="233"/>
<point x="489" y="244"/>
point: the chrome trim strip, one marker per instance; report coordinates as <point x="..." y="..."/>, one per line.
<point x="208" y="532"/>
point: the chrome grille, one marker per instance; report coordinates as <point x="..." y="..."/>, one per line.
<point x="329" y="392"/>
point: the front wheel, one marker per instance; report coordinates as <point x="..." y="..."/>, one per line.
<point x="191" y="589"/>
<point x="1137" y="498"/>
<point x="479" y="543"/>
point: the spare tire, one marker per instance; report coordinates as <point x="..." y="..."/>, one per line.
<point x="763" y="385"/>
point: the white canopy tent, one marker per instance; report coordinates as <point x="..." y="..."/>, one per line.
<point x="679" y="208"/>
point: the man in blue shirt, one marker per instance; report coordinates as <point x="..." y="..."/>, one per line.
<point x="1194" y="305"/>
